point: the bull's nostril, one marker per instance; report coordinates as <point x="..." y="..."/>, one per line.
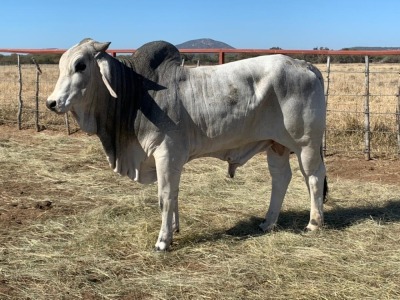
<point x="51" y="104"/>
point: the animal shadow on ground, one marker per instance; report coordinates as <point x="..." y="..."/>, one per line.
<point x="337" y="218"/>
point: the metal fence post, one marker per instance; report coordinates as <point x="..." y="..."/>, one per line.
<point x="328" y="71"/>
<point x="221" y="57"/>
<point x="367" y="133"/>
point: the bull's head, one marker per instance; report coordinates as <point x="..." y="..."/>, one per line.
<point x="79" y="83"/>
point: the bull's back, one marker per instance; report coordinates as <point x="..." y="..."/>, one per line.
<point x="225" y="100"/>
<point x="256" y="99"/>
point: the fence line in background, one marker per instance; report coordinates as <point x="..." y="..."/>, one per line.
<point x="328" y="88"/>
<point x="66" y="119"/>
<point x="367" y="127"/>
<point x="38" y="73"/>
<point x="327" y="82"/>
<point x="398" y="121"/>
<point x="221" y="52"/>
<point x="20" y="101"/>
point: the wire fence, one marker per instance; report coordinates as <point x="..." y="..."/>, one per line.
<point x="24" y="89"/>
<point x="363" y="105"/>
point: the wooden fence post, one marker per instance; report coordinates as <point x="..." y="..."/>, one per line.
<point x="66" y="118"/>
<point x="38" y="73"/>
<point x="398" y="118"/>
<point x="328" y="71"/>
<point x="367" y="133"/>
<point x="20" y="102"/>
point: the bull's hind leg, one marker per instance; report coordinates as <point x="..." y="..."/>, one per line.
<point x="281" y="174"/>
<point x="313" y="169"/>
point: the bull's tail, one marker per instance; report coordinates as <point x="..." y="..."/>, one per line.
<point x="321" y="80"/>
<point x="326" y="190"/>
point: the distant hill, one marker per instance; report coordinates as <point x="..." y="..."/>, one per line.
<point x="203" y="44"/>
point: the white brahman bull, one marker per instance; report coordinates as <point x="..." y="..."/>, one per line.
<point x="153" y="116"/>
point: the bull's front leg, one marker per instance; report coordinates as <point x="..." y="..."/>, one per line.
<point x="168" y="177"/>
<point x="175" y="215"/>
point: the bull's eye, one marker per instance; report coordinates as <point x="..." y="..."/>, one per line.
<point x="80" y="66"/>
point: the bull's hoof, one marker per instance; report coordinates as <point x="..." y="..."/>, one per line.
<point x="306" y="229"/>
<point x="266" y="227"/>
<point x="311" y="229"/>
<point x="161" y="247"/>
<point x="313" y="226"/>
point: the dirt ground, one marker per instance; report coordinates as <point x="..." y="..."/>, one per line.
<point x="374" y="170"/>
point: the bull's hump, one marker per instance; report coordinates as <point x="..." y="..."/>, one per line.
<point x="155" y="55"/>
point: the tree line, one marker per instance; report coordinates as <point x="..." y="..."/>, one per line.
<point x="27" y="59"/>
<point x="212" y="59"/>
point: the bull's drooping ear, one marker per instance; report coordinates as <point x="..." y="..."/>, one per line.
<point x="101" y="47"/>
<point x="105" y="64"/>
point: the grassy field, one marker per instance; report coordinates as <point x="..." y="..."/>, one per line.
<point x="72" y="229"/>
<point x="345" y="104"/>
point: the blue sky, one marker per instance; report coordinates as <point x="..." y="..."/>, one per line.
<point x="262" y="24"/>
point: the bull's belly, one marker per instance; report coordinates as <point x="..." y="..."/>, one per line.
<point x="234" y="153"/>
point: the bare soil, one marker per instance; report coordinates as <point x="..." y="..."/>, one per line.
<point x="374" y="170"/>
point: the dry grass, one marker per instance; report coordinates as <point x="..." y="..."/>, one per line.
<point x="94" y="238"/>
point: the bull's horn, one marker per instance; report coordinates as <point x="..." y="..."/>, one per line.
<point x="101" y="47"/>
<point x="85" y="41"/>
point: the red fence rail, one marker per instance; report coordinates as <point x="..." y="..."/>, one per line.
<point x="221" y="52"/>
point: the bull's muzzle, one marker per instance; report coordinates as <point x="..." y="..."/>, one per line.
<point x="52" y="105"/>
